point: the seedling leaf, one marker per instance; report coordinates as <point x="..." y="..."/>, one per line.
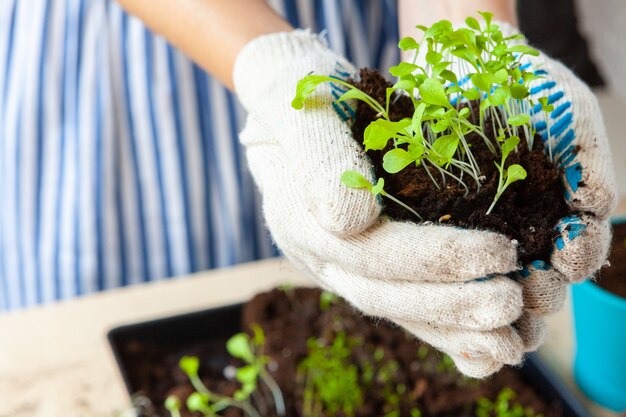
<point x="432" y="92"/>
<point x="508" y="146"/>
<point x="189" y="365"/>
<point x="433" y="57"/>
<point x="305" y="88"/>
<point x="239" y="347"/>
<point x="248" y="374"/>
<point x="472" y="23"/>
<point x="518" y="119"/>
<point x="523" y="49"/>
<point x="444" y="148"/>
<point x="354" y="179"/>
<point x="353" y="93"/>
<point x="471" y="94"/>
<point x="172" y="403"/>
<point x="408" y="43"/>
<point x="482" y="81"/>
<point x="378" y="188"/>
<point x="396" y="160"/>
<point x="378" y="133"/>
<point x="449" y="76"/>
<point x="403" y="68"/>
<point x="518" y="91"/>
<point x="515" y="172"/>
<point x="197" y="401"/>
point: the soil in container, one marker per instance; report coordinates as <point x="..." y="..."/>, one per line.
<point x="394" y="375"/>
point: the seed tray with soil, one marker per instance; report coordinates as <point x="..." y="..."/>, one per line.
<point x="613" y="277"/>
<point x="328" y="360"/>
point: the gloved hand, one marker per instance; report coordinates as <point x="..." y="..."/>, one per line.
<point x="576" y="135"/>
<point x="575" y="131"/>
<point x="419" y="276"/>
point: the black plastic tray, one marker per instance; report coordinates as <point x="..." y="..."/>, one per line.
<point x="221" y="323"/>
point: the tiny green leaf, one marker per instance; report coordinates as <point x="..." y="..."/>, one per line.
<point x="508" y="146"/>
<point x="354" y="179"/>
<point x="258" y="334"/>
<point x="487" y="16"/>
<point x="408" y="43"/>
<point x="449" y="76"/>
<point x="518" y="91"/>
<point x="518" y="119"/>
<point x="432" y="92"/>
<point x="378" y="133"/>
<point x="501" y="76"/>
<point x="415" y="150"/>
<point x="247" y="374"/>
<point x="172" y="403"/>
<point x="482" y="81"/>
<point x="544" y="104"/>
<point x="523" y="49"/>
<point x="471" y="94"/>
<point x="433" y="57"/>
<point x="306" y="87"/>
<point x="406" y="84"/>
<point x="403" y="68"/>
<point x="514" y="173"/>
<point x="239" y="347"/>
<point x="378" y="188"/>
<point x="465" y="112"/>
<point x="499" y="96"/>
<point x="472" y="23"/>
<point x="197" y="401"/>
<point x="353" y="93"/>
<point x="396" y="160"/>
<point x="484" y="104"/>
<point x="443" y="149"/>
<point x="440" y="126"/>
<point x="189" y="365"/>
<point x="416" y="121"/>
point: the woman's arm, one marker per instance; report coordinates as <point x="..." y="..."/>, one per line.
<point x="427" y="12"/>
<point x="211" y="32"/>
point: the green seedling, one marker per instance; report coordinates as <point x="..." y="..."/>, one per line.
<point x="327" y="299"/>
<point x="434" y="137"/>
<point x="250" y="350"/>
<point x="513" y="173"/>
<point x="331" y="380"/>
<point x="203" y="400"/>
<point x="209" y="404"/>
<point x="354" y="179"/>
<point x="503" y="406"/>
<point x="547" y="109"/>
<point x="172" y="404"/>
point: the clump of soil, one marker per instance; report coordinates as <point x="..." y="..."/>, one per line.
<point x="613" y="278"/>
<point x="290" y="318"/>
<point x="528" y="210"/>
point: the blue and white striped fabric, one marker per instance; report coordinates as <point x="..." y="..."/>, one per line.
<point x="119" y="158"/>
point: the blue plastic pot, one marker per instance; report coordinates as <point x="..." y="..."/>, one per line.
<point x="600" y="328"/>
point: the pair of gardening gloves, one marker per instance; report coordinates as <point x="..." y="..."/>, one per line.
<point x="424" y="277"/>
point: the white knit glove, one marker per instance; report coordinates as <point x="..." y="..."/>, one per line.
<point x="580" y="149"/>
<point x="419" y="276"/>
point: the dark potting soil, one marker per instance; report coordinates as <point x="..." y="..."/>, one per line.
<point x="416" y="376"/>
<point x="527" y="211"/>
<point x="613" y="278"/>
